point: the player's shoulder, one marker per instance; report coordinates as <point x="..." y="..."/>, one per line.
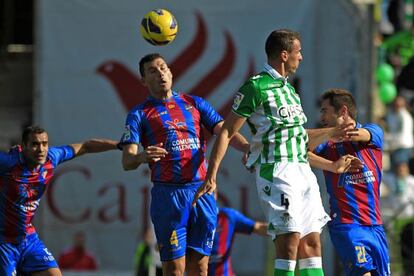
<point x="56" y="151"/>
<point x="191" y="99"/>
<point x="263" y="81"/>
<point x="139" y="108"/>
<point x="13" y="157"/>
<point x="194" y="101"/>
<point x="145" y="104"/>
<point x="372" y="127"/>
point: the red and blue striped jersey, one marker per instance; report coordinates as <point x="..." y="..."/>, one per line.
<point x="354" y="198"/>
<point x="229" y="222"/>
<point x="21" y="190"/>
<point x="178" y="124"/>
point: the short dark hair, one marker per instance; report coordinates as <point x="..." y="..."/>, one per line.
<point x="146" y="59"/>
<point x="29" y="131"/>
<point x="339" y="97"/>
<point x="280" y="40"/>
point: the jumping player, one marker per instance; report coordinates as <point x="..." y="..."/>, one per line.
<point x="169" y="126"/>
<point x="287" y="188"/>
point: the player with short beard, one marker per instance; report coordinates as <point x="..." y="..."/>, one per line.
<point x="25" y="173"/>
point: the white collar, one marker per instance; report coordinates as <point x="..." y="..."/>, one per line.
<point x="275" y="74"/>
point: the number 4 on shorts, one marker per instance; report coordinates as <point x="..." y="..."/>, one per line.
<point x="284" y="201"/>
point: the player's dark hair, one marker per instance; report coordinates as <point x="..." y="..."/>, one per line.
<point x="30" y="130"/>
<point x="280" y="40"/>
<point x="146" y="59"/>
<point x="339" y="97"/>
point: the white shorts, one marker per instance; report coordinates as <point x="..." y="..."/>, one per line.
<point x="290" y="198"/>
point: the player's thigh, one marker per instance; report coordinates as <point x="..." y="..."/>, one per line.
<point x="281" y="187"/>
<point x="314" y="216"/>
<point x="354" y="247"/>
<point x="380" y="251"/>
<point x="37" y="258"/>
<point x="170" y="209"/>
<point x="9" y="258"/>
<point x="287" y="245"/>
<point x="202" y="225"/>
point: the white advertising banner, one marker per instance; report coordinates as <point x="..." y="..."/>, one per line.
<point x="87" y="54"/>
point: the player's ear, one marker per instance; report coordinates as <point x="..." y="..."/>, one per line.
<point x="284" y="55"/>
<point x="343" y="111"/>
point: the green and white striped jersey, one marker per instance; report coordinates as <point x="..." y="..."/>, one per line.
<point x="275" y="116"/>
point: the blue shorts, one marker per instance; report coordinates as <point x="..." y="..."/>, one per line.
<point x="177" y="224"/>
<point x="361" y="248"/>
<point x="27" y="256"/>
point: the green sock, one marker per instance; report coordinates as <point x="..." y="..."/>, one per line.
<point x="311" y="272"/>
<point x="281" y="272"/>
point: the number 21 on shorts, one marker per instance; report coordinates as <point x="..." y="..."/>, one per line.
<point x="361" y="254"/>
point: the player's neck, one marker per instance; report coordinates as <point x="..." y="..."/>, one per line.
<point x="279" y="67"/>
<point x="32" y="166"/>
<point x="162" y="95"/>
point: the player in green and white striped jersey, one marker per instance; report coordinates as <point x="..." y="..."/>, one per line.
<point x="288" y="191"/>
<point x="275" y="117"/>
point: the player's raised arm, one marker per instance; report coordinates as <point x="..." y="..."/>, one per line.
<point x="231" y="126"/>
<point x="359" y="135"/>
<point x="238" y="141"/>
<point x="318" y="136"/>
<point x="93" y="146"/>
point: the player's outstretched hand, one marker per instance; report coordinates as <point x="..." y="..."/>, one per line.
<point x="342" y="133"/>
<point x="351" y="134"/>
<point x="153" y="154"/>
<point x="208" y="187"/>
<point x="348" y="163"/>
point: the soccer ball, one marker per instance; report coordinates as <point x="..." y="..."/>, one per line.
<point x="159" y="27"/>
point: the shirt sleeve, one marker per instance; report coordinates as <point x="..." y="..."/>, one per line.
<point x="133" y="129"/>
<point x="247" y="100"/>
<point x="209" y="116"/>
<point x="243" y="224"/>
<point x="6" y="161"/>
<point x="61" y="154"/>
<point x="320" y="149"/>
<point x="377" y="134"/>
